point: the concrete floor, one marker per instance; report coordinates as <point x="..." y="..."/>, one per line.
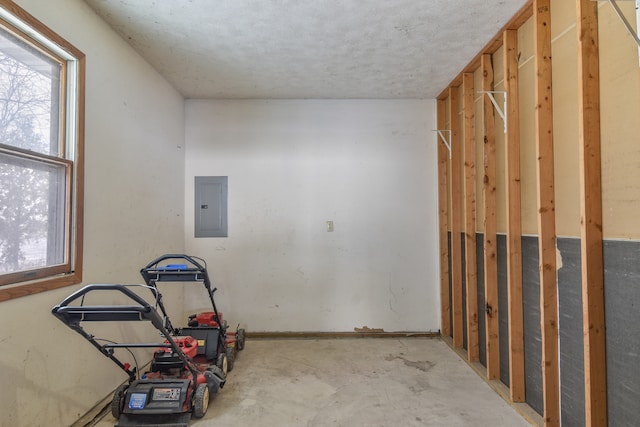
<point x="354" y="382"/>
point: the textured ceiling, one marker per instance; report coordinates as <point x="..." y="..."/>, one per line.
<point x="307" y="48"/>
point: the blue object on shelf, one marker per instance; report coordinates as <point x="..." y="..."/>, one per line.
<point x="173" y="267"/>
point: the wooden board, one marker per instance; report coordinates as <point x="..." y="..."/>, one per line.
<point x="591" y="215"/>
<point x="514" y="221"/>
<point x="546" y="211"/>
<point x="443" y="158"/>
<point x="490" y="246"/>
<point x="494" y="44"/>
<point x="470" y="217"/>
<point x="456" y="217"/>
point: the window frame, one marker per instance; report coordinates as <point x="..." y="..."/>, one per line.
<point x="71" y="134"/>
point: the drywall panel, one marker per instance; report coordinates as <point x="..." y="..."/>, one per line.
<point x="620" y="127"/>
<point x="503" y="308"/>
<point x="565" y="119"/>
<point x="465" y="332"/>
<point x="531" y="317"/>
<point x="482" y="321"/>
<point x="447" y="126"/>
<point x="450" y="286"/>
<point x="528" y="178"/>
<point x="367" y="165"/>
<point x="134" y="179"/>
<point x="570" y="332"/>
<point x="564" y="17"/>
<point x="622" y="299"/>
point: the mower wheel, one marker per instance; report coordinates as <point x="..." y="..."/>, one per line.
<point x="223" y="363"/>
<point x="240" y="335"/>
<point x="201" y="401"/>
<point x="117" y="404"/>
<point x="231" y="357"/>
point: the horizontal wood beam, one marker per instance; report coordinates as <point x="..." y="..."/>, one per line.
<point x="494" y="44"/>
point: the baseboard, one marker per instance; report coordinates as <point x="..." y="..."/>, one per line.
<point x="95" y="414"/>
<point x="334" y="335"/>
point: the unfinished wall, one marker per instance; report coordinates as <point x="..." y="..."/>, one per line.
<point x="369" y="166"/>
<point x="620" y="107"/>
<point x="134" y="178"/>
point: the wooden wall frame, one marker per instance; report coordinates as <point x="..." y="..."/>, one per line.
<point x="590" y="199"/>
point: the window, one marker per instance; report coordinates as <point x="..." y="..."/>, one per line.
<point x="41" y="164"/>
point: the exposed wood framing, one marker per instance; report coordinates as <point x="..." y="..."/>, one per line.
<point x="490" y="224"/>
<point x="456" y="216"/>
<point x="494" y="44"/>
<point x="473" y="352"/>
<point x="546" y="211"/>
<point x="591" y="215"/>
<point x="514" y="221"/>
<point x="443" y="157"/>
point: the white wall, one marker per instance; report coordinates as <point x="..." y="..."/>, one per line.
<point x="367" y="165"/>
<point x="134" y="209"/>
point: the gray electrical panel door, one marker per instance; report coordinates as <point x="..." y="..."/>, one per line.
<point x="211" y="206"/>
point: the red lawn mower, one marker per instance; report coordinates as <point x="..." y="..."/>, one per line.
<point x="215" y="343"/>
<point x="177" y="385"/>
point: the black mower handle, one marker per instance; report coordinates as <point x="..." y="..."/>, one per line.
<point x="75" y="313"/>
<point x="104" y="287"/>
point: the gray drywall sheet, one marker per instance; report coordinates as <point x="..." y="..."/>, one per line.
<point x="570" y="333"/>
<point x="622" y="315"/>
<point x="464" y="294"/>
<point x="503" y="308"/>
<point x="531" y="315"/>
<point x="482" y="323"/>
<point x="450" y="281"/>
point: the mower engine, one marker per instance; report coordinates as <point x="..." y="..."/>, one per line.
<point x="206" y="318"/>
<point x="188" y="345"/>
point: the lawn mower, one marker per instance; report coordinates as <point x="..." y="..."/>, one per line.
<point x="176" y="386"/>
<point x="215" y="343"/>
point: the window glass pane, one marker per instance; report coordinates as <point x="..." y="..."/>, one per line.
<point x="29" y="97"/>
<point x="32" y="213"/>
